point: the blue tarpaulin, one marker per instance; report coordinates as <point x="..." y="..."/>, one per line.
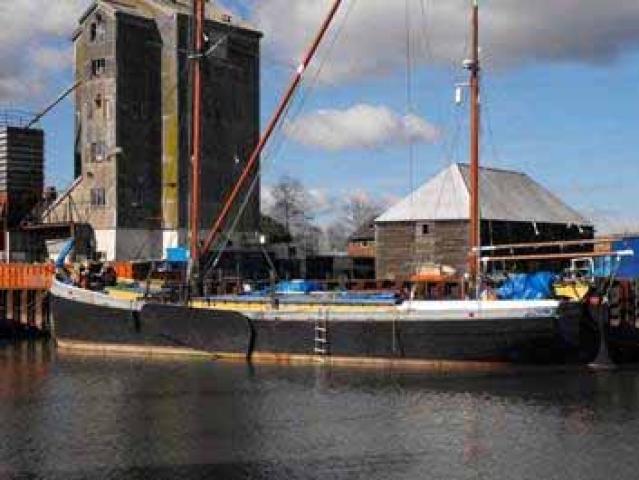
<point x="177" y="254"/>
<point x="626" y="268"/>
<point x="527" y="286"/>
<point x="297" y="287"/>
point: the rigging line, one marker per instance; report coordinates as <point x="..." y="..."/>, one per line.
<point x="427" y="52"/>
<point x="425" y="10"/>
<point x="300" y="104"/>
<point x="312" y="85"/>
<point x="409" y="90"/>
<point x="302" y="97"/>
<point x="489" y="127"/>
<point x="410" y="110"/>
<point x="213" y="262"/>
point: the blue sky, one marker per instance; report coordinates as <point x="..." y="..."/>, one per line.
<point x="560" y="108"/>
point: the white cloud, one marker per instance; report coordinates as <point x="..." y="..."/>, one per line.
<point x="34" y="43"/>
<point x="49" y="58"/>
<point x="361" y="126"/>
<point x="373" y="39"/>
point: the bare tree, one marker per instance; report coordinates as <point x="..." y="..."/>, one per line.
<point x="357" y="211"/>
<point x="293" y="208"/>
<point x="336" y="236"/>
<point x="291" y="204"/>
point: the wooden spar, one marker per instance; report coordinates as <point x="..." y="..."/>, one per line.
<point x="196" y="134"/>
<point x="473" y="67"/>
<point x="558" y="256"/>
<point x="250" y="165"/>
<point x="559" y="244"/>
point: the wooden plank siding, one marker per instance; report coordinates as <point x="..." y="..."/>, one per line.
<point x="402" y="246"/>
<point x="394" y="249"/>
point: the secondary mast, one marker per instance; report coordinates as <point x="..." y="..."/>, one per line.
<point x="473" y="65"/>
<point x="196" y="138"/>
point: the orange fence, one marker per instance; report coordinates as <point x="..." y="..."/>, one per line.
<point x="25" y="276"/>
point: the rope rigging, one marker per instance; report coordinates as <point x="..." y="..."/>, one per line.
<point x="296" y="105"/>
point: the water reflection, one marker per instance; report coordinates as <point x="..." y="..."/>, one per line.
<point x="83" y="417"/>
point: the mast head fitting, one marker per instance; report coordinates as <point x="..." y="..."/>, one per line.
<point x="469" y="64"/>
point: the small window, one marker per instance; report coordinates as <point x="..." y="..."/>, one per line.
<point x="425" y="229"/>
<point x="98" y="67"/>
<point x="98" y="197"/>
<point x="97" y="30"/>
<point x="98" y="101"/>
<point x="98" y="151"/>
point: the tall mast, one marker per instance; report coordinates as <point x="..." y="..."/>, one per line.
<point x="196" y="132"/>
<point x="474" y="68"/>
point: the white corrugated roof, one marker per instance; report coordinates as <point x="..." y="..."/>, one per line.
<point x="504" y="195"/>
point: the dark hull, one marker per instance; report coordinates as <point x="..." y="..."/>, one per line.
<point x="229" y="333"/>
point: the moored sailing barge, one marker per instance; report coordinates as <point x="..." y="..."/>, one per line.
<point x="526" y="331"/>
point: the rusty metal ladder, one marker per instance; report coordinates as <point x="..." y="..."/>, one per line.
<point x="321" y="345"/>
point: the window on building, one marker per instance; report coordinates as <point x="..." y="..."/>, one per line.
<point x="98" y="67"/>
<point x="98" y="151"/>
<point x="97" y="29"/>
<point x="98" y="101"/>
<point x="425" y="229"/>
<point x="98" y="197"/>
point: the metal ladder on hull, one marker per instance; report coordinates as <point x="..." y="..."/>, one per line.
<point x="321" y="345"/>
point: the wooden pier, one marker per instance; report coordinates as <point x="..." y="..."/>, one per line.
<point x="24" y="306"/>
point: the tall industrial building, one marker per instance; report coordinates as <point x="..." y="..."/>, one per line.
<point x="132" y="147"/>
<point x="21" y="187"/>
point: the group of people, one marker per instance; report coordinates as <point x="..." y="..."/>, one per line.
<point x="91" y="275"/>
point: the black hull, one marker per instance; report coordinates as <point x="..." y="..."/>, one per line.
<point x="543" y="340"/>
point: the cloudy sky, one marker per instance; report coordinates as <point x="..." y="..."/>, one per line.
<point x="376" y="115"/>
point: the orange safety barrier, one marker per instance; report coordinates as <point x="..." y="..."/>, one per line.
<point x="25" y="276"/>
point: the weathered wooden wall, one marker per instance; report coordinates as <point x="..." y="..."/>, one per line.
<point x="402" y="246"/>
<point x="394" y="249"/>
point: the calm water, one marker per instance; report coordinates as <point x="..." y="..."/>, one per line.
<point x="66" y="417"/>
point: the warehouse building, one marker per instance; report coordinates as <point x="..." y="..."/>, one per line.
<point x="21" y="188"/>
<point x="132" y="145"/>
<point x="430" y="227"/>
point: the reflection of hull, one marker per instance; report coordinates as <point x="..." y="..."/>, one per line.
<point x="458" y="331"/>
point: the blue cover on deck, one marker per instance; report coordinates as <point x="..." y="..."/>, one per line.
<point x="177" y="254"/>
<point x="527" y="286"/>
<point x="629" y="266"/>
<point x="297" y="287"/>
<point x="625" y="268"/>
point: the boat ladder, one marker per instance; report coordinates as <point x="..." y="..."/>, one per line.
<point x="321" y="346"/>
